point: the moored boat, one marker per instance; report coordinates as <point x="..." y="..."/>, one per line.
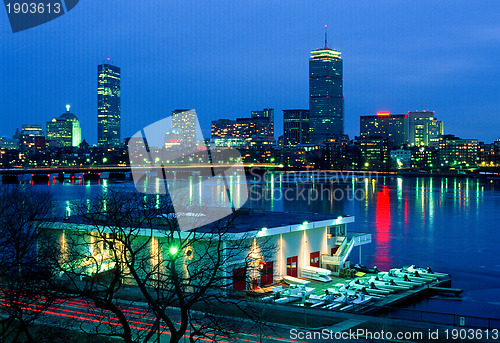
<point x="370" y="289"/>
<point x="411" y="276"/>
<point x="426" y="272"/>
<point x="386" y="276"/>
<point x="391" y="284"/>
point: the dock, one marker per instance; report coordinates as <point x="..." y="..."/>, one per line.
<point x="407" y="296"/>
<point x="441" y="285"/>
<point x="447" y="290"/>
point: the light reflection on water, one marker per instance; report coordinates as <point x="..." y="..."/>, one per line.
<point x="449" y="224"/>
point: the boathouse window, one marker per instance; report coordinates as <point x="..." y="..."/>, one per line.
<point x="337" y="230"/>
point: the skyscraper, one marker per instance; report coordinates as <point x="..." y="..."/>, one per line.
<point x="393" y="127"/>
<point x="108" y="105"/>
<point x="184" y="121"/>
<point x="295" y="127"/>
<point x="326" y="98"/>
<point x="64" y="131"/>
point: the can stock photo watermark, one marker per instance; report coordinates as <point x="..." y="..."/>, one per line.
<point x="26" y="14"/>
<point x="170" y="157"/>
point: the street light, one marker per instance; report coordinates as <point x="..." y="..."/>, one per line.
<point x="173" y="251"/>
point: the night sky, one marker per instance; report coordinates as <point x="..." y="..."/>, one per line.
<point x="225" y="58"/>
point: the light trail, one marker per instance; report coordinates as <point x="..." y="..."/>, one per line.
<point x="65" y="308"/>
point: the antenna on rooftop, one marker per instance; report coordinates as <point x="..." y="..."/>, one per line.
<point x="325" y="36"/>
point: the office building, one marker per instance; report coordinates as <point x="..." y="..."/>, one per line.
<point x="458" y="152"/>
<point x="401" y="158"/>
<point x="64" y="131"/>
<point x="8" y="143"/>
<point x="326" y="99"/>
<point x="265" y="117"/>
<point x="108" y="105"/>
<point x="295" y="127"/>
<point x="32" y="138"/>
<point x="338" y="153"/>
<point x="424" y="129"/>
<point x="254" y="133"/>
<point x="489" y="154"/>
<point x="374" y="152"/>
<point x="185" y="123"/>
<point x="424" y="157"/>
<point x="393" y="127"/>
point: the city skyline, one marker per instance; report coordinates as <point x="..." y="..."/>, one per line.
<point x="397" y="67"/>
<point x="261" y="171"/>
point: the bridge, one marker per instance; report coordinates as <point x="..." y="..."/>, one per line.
<point x="43" y="174"/>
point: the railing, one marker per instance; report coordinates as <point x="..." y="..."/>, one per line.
<point x="347" y="251"/>
<point x="361" y="238"/>
<point x="329" y="259"/>
<point x="341" y="255"/>
<point x="340" y="248"/>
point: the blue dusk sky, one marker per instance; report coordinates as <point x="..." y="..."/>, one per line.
<point x="226" y="58"/>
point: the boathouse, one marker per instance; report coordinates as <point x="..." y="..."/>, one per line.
<point x="298" y="240"/>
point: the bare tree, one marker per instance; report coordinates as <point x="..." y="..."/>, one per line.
<point x="25" y="274"/>
<point x="128" y="245"/>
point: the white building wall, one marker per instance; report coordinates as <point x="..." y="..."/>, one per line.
<point x="297" y="243"/>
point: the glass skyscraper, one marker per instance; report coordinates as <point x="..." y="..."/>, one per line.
<point x="326" y="97"/>
<point x="108" y="105"/>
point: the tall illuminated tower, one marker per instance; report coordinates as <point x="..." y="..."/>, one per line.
<point x="108" y="105"/>
<point x="326" y="96"/>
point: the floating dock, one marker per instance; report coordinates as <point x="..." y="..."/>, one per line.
<point x="382" y="298"/>
<point x="404" y="297"/>
<point x="447" y="290"/>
